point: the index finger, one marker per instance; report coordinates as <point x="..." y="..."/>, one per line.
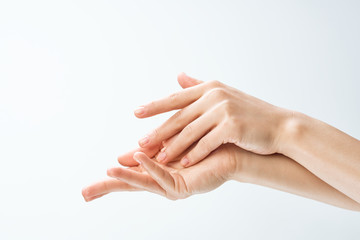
<point x="175" y="101"/>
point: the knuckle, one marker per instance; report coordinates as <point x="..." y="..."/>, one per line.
<point x="173" y="97"/>
<point x="178" y="114"/>
<point x="231" y="122"/>
<point x="228" y="107"/>
<point x="188" y="130"/>
<point x="176" y="121"/>
<point x="106" y="187"/>
<point x="233" y="128"/>
<point x="155" y="133"/>
<point x="218" y="93"/>
<point x="151" y="104"/>
<point x="215" y="83"/>
<point x="204" y="146"/>
<point x="151" y="107"/>
<point x="177" y="118"/>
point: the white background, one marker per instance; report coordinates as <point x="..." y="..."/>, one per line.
<point x="71" y="73"/>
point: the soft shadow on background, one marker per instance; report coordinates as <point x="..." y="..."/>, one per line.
<point x="71" y="73"/>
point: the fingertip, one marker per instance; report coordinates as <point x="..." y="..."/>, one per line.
<point x="94" y="197"/>
<point x="140" y="157"/>
<point x="119" y="159"/>
<point x="181" y="74"/>
<point x="126" y="160"/>
<point x="85" y="192"/>
<point x="144" y="141"/>
<point x="162" y="157"/>
<point x="181" y="80"/>
<point x="139" y="112"/>
<point x="122" y="158"/>
<point x="137" y="155"/>
<point x="88" y="199"/>
<point x="185" y="162"/>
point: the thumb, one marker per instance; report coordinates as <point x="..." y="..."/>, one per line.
<point x="185" y="81"/>
<point x="160" y="175"/>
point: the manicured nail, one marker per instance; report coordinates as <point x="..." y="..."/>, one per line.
<point x="184" y="161"/>
<point x="144" y="141"/>
<point x="161" y="157"/>
<point x="139" y="111"/>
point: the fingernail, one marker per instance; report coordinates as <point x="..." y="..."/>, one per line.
<point x="184" y="161"/>
<point x="144" y="141"/>
<point x="139" y="111"/>
<point x="161" y="157"/>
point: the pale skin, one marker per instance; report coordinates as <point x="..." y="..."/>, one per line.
<point x="228" y="162"/>
<point x="234" y="136"/>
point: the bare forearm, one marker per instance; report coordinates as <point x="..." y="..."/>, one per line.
<point x="330" y="154"/>
<point x="280" y="172"/>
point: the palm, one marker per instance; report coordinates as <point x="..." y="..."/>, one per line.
<point x="202" y="177"/>
<point x="173" y="180"/>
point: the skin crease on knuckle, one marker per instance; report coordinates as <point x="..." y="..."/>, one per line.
<point x="178" y="115"/>
<point x="151" y="106"/>
<point x="217" y="94"/>
<point x="187" y="131"/>
<point x="154" y="136"/>
<point x="215" y="84"/>
<point x="178" y="119"/>
<point x="202" y="148"/>
<point x="173" y="98"/>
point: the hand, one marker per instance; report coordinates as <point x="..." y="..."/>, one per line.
<point x="227" y="162"/>
<point x="106" y="186"/>
<point x="173" y="180"/>
<point x="213" y="114"/>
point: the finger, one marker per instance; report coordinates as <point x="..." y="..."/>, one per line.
<point x="128" y="160"/>
<point x="168" y="141"/>
<point x="204" y="147"/>
<point x="160" y="175"/>
<point x="136" y="179"/>
<point x="173" y="125"/>
<point x="175" y="101"/>
<point x="175" y="163"/>
<point x="95" y="197"/>
<point x="191" y="133"/>
<point x="186" y="81"/>
<point x="182" y="118"/>
<point x="104" y="187"/>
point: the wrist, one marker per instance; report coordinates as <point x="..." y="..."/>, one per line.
<point x="291" y="130"/>
<point x="241" y="163"/>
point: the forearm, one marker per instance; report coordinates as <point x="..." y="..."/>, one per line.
<point x="330" y="154"/>
<point x="280" y="172"/>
